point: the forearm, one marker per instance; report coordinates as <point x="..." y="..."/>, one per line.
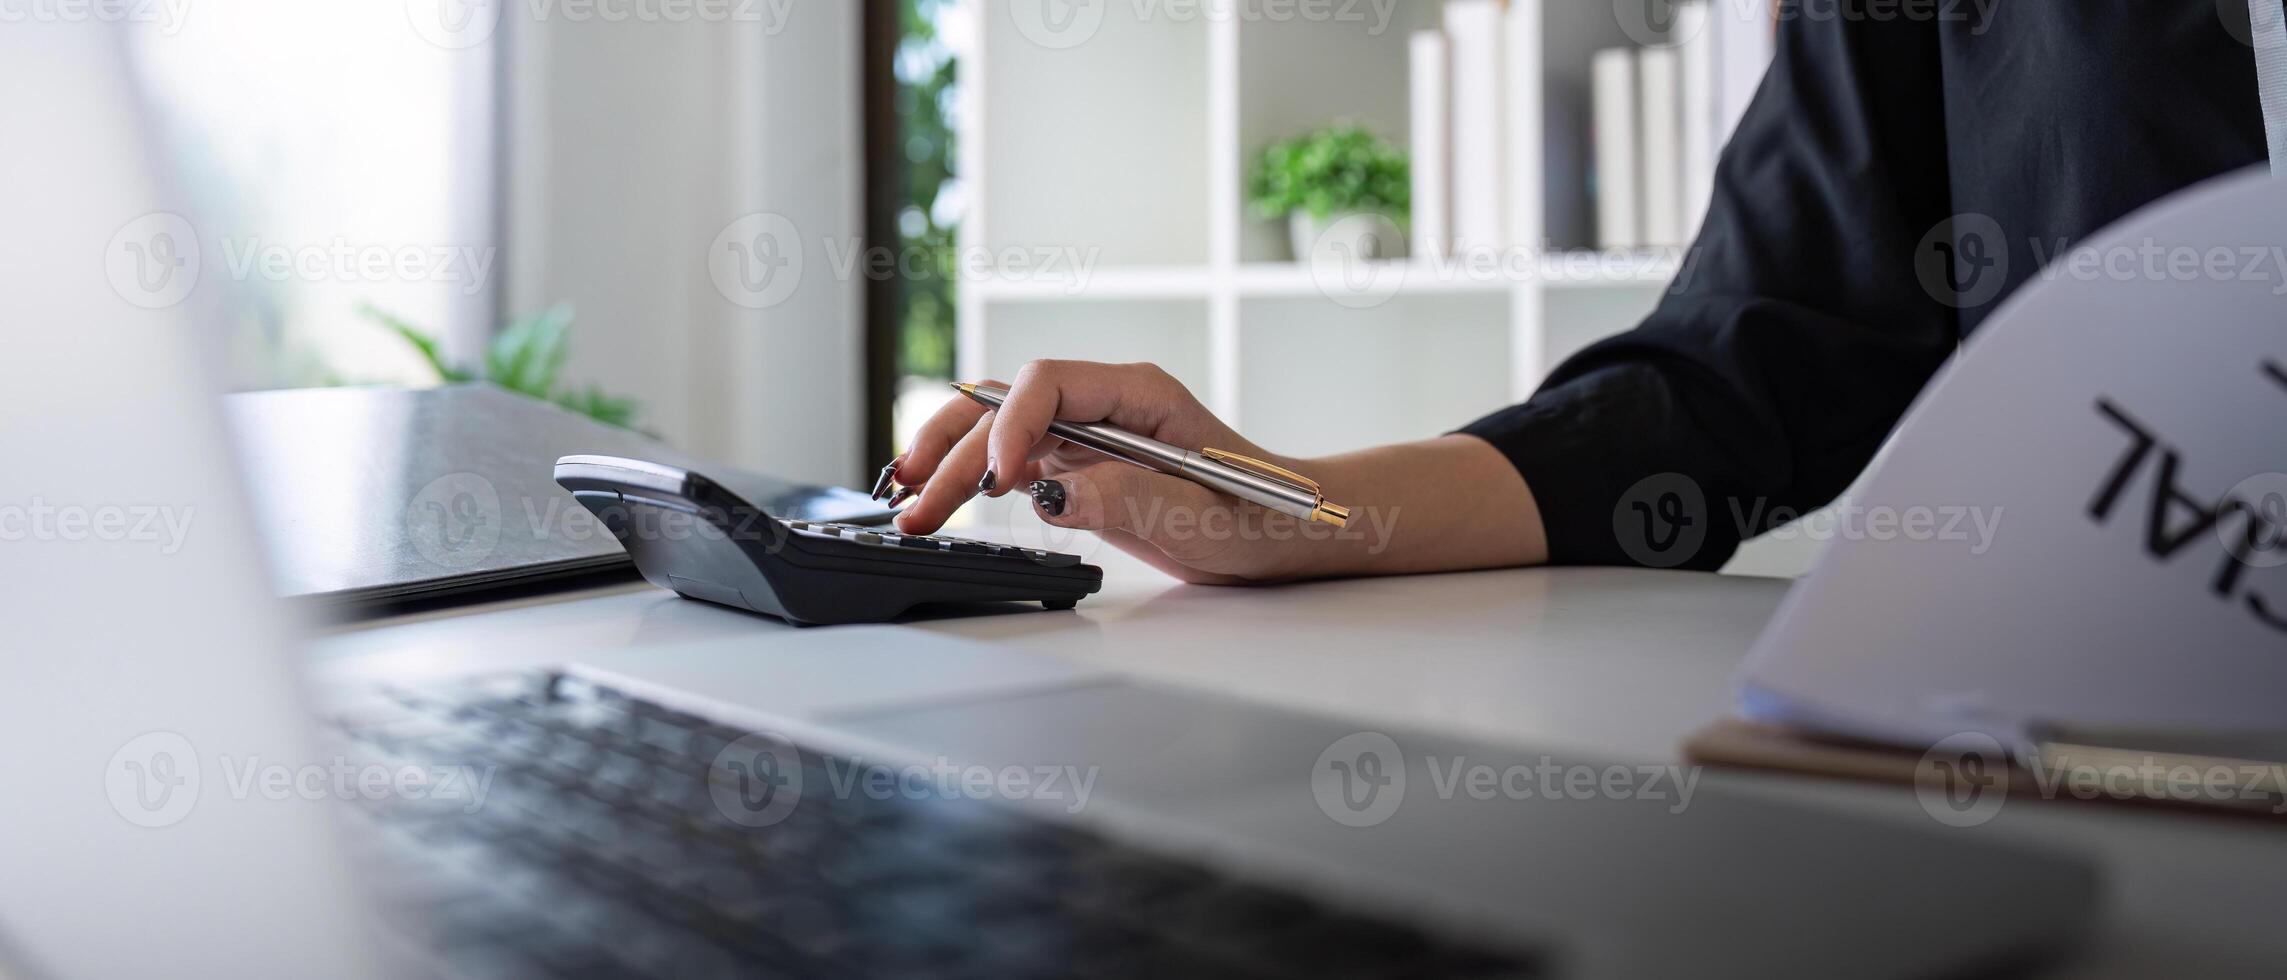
<point x="1442" y="504"/>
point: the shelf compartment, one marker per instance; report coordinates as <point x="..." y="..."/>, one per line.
<point x="1094" y="159"/>
<point x="1301" y="73"/>
<point x="1169" y="333"/>
<point x="1316" y="378"/>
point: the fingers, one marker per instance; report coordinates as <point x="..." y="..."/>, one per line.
<point x="952" y="477"/>
<point x="948" y="425"/>
<point x="1136" y="397"/>
<point x="1187" y="522"/>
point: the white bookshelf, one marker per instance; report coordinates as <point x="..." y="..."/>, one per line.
<point x="1134" y="143"/>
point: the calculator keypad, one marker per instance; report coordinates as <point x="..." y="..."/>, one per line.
<point x="876" y="537"/>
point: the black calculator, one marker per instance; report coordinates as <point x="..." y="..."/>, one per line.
<point x="689" y="535"/>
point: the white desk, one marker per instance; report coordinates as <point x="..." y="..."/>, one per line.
<point x="1616" y="663"/>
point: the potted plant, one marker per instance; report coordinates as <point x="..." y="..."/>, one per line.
<point x="524" y="357"/>
<point x="1316" y="180"/>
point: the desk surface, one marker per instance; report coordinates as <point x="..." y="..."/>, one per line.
<point x="1616" y="663"/>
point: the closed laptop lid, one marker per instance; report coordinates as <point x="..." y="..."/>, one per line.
<point x="375" y="494"/>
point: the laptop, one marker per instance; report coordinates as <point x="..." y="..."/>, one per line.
<point x="174" y="790"/>
<point x="373" y="498"/>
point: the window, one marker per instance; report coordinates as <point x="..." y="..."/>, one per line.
<point x="332" y="157"/>
<point x="917" y="202"/>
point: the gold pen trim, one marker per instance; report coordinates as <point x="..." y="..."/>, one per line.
<point x="1322" y="512"/>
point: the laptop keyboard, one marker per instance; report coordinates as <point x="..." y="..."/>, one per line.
<point x="602" y="848"/>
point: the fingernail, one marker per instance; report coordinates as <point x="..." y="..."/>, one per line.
<point x="903" y="494"/>
<point x="1048" y="495"/>
<point x="887" y="478"/>
<point x="986" y="485"/>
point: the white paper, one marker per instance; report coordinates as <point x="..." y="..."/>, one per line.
<point x="2081" y="609"/>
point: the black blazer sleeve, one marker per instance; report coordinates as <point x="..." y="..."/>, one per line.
<point x="1797" y="331"/>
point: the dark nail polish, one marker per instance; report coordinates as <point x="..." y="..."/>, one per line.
<point x="887" y="479"/>
<point x="1048" y="495"/>
<point x="903" y="494"/>
<point x="986" y="485"/>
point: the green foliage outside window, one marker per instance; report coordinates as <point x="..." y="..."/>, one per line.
<point x="925" y="94"/>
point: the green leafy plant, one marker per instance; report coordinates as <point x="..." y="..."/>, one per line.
<point x="1340" y="169"/>
<point x="524" y="357"/>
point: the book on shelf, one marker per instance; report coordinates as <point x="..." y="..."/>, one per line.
<point x="1659" y="145"/>
<point x="1746" y="36"/>
<point x="1650" y="123"/>
<point x="1699" y="101"/>
<point x="1683" y="97"/>
<point x="1473" y="32"/>
<point x="1521" y="56"/>
<point x="1431" y="109"/>
<point x="1613" y="126"/>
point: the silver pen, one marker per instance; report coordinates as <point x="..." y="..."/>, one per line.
<point x="1244" y="477"/>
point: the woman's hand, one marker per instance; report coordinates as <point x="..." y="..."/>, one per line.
<point x="1448" y="503"/>
<point x="1179" y="526"/>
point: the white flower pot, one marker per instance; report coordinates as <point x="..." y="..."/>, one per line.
<point x="1344" y="237"/>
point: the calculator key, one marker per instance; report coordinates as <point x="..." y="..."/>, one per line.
<point x="919" y="541"/>
<point x="970" y="548"/>
<point x="1056" y="560"/>
<point x="867" y="537"/>
<point x="799" y="525"/>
